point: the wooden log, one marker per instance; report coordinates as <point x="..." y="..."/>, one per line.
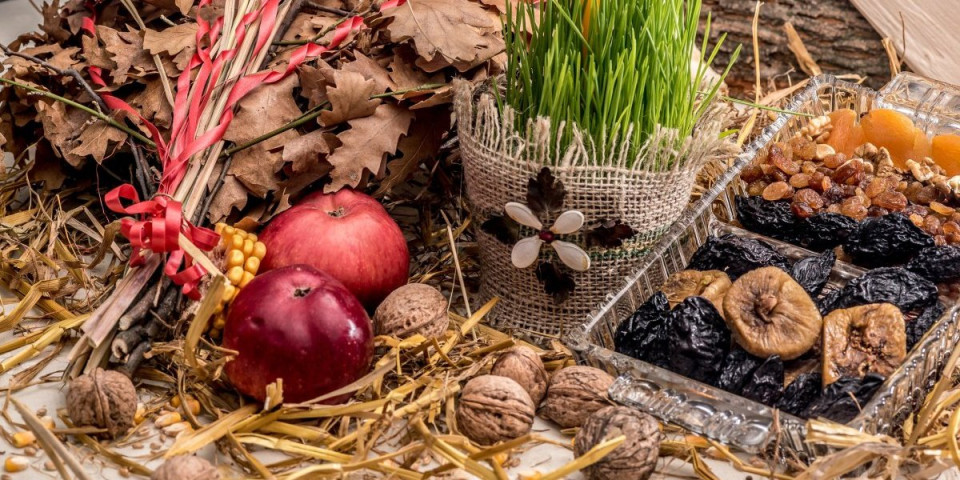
<point x="837" y="36"/>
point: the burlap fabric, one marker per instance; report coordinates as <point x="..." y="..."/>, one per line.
<point x="498" y="162"/>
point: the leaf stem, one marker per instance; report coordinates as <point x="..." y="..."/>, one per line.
<point x="765" y="107"/>
<point x="102" y="116"/>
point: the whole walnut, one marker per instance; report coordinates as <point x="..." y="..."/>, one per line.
<point x="635" y="458"/>
<point x="494" y="408"/>
<point x="524" y="366"/>
<point x="103" y="399"/>
<point x="574" y="393"/>
<point x="411" y="309"/>
<point x="186" y="467"/>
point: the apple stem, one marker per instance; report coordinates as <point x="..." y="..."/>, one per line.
<point x="301" y="292"/>
<point x="336" y="213"/>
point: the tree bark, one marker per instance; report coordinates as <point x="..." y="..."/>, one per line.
<point x="838" y="37"/>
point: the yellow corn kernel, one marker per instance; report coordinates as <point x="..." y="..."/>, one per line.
<point x="16" y="464"/>
<point x="227" y="230"/>
<point x="214" y="334"/>
<point x="252" y="264"/>
<point x="219" y="322"/>
<point x="228" y="292"/>
<point x="219" y="228"/>
<point x="48" y="422"/>
<point x="235" y="275"/>
<point x="141" y="413"/>
<point x="235" y="243"/>
<point x="23" y="439"/>
<point x="168" y="419"/>
<point x="248" y="247"/>
<point x="234" y="258"/>
<point x="259" y="250"/>
<point x="252" y="237"/>
<point x="193" y="405"/>
<point x="175" y="401"/>
<point x="247" y="276"/>
<point x="176" y="429"/>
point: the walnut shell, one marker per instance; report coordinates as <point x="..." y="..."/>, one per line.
<point x="411" y="309"/>
<point x="574" y="393"/>
<point x="524" y="366"/>
<point x="186" y="467"/>
<point x="103" y="399"/>
<point x="635" y="458"/>
<point x="494" y="408"/>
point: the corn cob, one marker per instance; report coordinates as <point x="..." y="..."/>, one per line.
<point x="242" y="253"/>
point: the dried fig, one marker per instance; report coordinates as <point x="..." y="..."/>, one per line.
<point x="709" y="284"/>
<point x="862" y="340"/>
<point x="769" y="313"/>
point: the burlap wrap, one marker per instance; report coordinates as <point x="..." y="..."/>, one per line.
<point x="498" y="162"/>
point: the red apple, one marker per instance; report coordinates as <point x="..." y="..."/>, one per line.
<point x="299" y="324"/>
<point x="346" y="234"/>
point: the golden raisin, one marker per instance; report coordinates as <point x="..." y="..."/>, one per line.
<point x="777" y="191"/>
<point x="893" y="201"/>
<point x="756" y="188"/>
<point x="941" y="208"/>
<point x="800" y="180"/>
<point x="854" y="208"/>
<point x="917" y="220"/>
<point x="834" y="161"/>
<point x="876" y="186"/>
<point x="932" y="225"/>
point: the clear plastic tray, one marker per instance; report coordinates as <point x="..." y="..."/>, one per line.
<point x="725" y="417"/>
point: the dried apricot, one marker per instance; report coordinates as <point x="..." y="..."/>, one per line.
<point x="893" y="130"/>
<point x="846" y="134"/>
<point x="945" y="150"/>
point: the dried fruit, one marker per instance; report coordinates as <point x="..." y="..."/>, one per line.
<point x="765" y="383"/>
<point x="861" y="340"/>
<point x="415" y="308"/>
<point x="710" y="284"/>
<point x="843" y="399"/>
<point x="774" y="219"/>
<point x="186" y="467"/>
<point x="736" y="255"/>
<point x="575" y="393"/>
<point x="737" y="367"/>
<point x="770" y="314"/>
<point x="523" y="365"/>
<point x="945" y="150"/>
<point x="494" y="409"/>
<point x="103" y="399"/>
<point x="824" y="231"/>
<point x="937" y="264"/>
<point x="633" y="336"/>
<point x="919" y="326"/>
<point x="812" y="273"/>
<point x="846" y="134"/>
<point x="887" y="240"/>
<point x="893" y="201"/>
<point x="777" y="191"/>
<point x="903" y="288"/>
<point x="892" y="130"/>
<point x="635" y="458"/>
<point x="696" y="338"/>
<point x="801" y="393"/>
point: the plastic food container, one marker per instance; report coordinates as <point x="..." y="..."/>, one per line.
<point x="729" y="418"/>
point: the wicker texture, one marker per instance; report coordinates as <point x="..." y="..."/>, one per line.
<point x="498" y="163"/>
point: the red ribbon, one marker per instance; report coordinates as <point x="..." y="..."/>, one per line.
<point x="159" y="222"/>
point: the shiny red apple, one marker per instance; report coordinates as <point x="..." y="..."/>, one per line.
<point x="346" y="234"/>
<point x="299" y="324"/>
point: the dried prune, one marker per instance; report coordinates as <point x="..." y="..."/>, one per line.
<point x="801" y="392"/>
<point x="697" y="339"/>
<point x="861" y="340"/>
<point x="937" y="264"/>
<point x="710" y="284"/>
<point x="812" y="273"/>
<point x="769" y="313"/>
<point x="635" y="331"/>
<point x="842" y="400"/>
<point x="737" y="367"/>
<point x="773" y="219"/>
<point x="896" y="285"/>
<point x="765" y="384"/>
<point x="825" y="303"/>
<point x="736" y="255"/>
<point x="824" y="231"/>
<point x="918" y="326"/>
<point x="888" y="240"/>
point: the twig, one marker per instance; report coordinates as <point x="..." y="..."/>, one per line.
<point x="315" y="37"/>
<point x="142" y="172"/>
<point x="213" y="191"/>
<point x="59" y="71"/>
<point x="102" y="116"/>
<point x="323" y="8"/>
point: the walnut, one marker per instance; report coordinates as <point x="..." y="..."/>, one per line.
<point x="186" y="467"/>
<point x="104" y="399"/>
<point x="411" y="309"/>
<point x="574" y="393"/>
<point x="817" y="129"/>
<point x="524" y="366"/>
<point x="494" y="408"/>
<point x="635" y="458"/>
<point x="920" y="171"/>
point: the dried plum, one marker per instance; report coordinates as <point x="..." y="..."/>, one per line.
<point x="861" y="340"/>
<point x="842" y="400"/>
<point x="710" y="284"/>
<point x="825" y="303"/>
<point x="736" y="255"/>
<point x="812" y="273"/>
<point x="633" y="334"/>
<point x="888" y="240"/>
<point x="770" y="314"/>
<point x="937" y="264"/>
<point x="765" y="384"/>
<point x="737" y="367"/>
<point x="771" y="218"/>
<point x="824" y="231"/>
<point x="919" y="326"/>
<point x="896" y="285"/>
<point x="802" y="392"/>
<point x="697" y="340"/>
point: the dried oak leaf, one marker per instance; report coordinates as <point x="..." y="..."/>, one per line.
<point x="95" y="54"/>
<point x="232" y="194"/>
<point x="421" y="144"/>
<point x="545" y="193"/>
<point x="350" y="98"/>
<point x="53" y="22"/>
<point x="61" y="126"/>
<point x="371" y="70"/>
<point x="557" y="283"/>
<point x="460" y="32"/>
<point x="152" y="104"/>
<point x="126" y="50"/>
<point x="171" y="40"/>
<point x="364" y="145"/>
<point x="96" y="139"/>
<point x="306" y="151"/>
<point x="609" y="234"/>
<point x="314" y="82"/>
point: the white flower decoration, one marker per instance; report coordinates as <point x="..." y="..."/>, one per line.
<point x="526" y="251"/>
